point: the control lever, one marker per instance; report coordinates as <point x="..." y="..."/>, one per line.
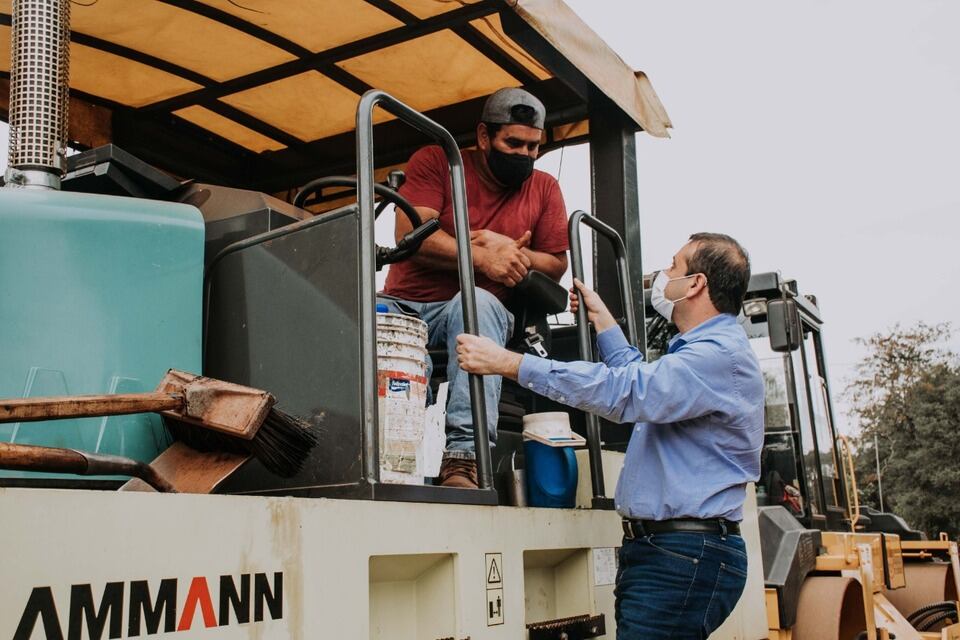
<point x="395" y="179"/>
<point x="408" y="244"/>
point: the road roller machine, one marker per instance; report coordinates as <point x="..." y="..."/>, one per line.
<point x="177" y="241"/>
<point x="832" y="568"/>
<point x="174" y="240"/>
<point x="855" y="585"/>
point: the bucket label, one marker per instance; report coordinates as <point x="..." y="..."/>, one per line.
<point x="403" y="396"/>
<point x="399" y="385"/>
<point x="394" y="383"/>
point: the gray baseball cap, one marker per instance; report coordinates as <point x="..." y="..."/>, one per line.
<point x="499" y="107"/>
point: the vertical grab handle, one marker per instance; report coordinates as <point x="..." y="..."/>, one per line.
<point x="583" y="329"/>
<point x="365" y="203"/>
<point x="623" y="266"/>
<point x="853" y="510"/>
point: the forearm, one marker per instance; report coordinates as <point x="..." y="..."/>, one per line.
<point x="614" y="349"/>
<point x="439" y="251"/>
<point x="553" y="265"/>
<point x="666" y="391"/>
<point x="593" y="387"/>
<point x="509" y="365"/>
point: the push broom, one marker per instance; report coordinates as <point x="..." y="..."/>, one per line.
<point x="204" y="413"/>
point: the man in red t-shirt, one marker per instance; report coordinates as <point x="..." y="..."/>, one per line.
<point x="518" y="222"/>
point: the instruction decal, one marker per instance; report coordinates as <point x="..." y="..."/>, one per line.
<point x="604" y="566"/>
<point x="493" y="570"/>
<point x="494" y="607"/>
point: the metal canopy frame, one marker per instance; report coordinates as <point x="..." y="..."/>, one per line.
<point x="155" y="134"/>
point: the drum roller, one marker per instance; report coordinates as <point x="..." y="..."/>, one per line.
<point x="830" y="608"/>
<point x="927" y="583"/>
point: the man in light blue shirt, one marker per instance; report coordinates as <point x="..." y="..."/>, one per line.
<point x="696" y="444"/>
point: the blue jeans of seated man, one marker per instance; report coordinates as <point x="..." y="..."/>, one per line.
<point x="445" y="322"/>
<point x="678" y="586"/>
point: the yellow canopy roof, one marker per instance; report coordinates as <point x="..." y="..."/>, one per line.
<point x="274" y="84"/>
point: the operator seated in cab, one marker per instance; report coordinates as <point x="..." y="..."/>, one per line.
<point x="518" y="223"/>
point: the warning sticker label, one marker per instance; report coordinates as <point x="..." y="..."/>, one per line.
<point x="493" y="570"/>
<point x="494" y="578"/>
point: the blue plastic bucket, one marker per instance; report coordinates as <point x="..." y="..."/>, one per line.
<point x="551" y="475"/>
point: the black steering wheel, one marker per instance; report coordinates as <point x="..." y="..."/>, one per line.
<point x="409" y="244"/>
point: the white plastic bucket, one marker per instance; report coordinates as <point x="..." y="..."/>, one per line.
<point x="402" y="393"/>
<point x="552" y="428"/>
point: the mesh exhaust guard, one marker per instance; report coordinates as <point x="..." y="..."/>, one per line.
<point x="39" y="93"/>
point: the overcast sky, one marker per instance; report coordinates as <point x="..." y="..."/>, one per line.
<point x="825" y="136"/>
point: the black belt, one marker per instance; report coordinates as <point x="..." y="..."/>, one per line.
<point x="641" y="528"/>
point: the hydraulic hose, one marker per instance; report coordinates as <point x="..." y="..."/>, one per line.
<point x="926" y="618"/>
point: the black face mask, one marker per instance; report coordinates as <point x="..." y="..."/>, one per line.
<point x="510" y="169"/>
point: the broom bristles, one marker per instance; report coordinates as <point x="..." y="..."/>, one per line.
<point x="281" y="444"/>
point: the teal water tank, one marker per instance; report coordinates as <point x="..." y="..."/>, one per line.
<point x="98" y="294"/>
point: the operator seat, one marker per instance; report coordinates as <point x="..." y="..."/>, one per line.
<point x="534" y="298"/>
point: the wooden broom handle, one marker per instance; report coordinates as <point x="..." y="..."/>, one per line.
<point x="33" y="458"/>
<point x="62" y="407"/>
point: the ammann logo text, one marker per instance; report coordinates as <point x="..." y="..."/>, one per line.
<point x="136" y="608"/>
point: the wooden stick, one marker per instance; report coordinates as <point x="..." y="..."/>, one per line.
<point x="33" y="458"/>
<point x="60" y="407"/>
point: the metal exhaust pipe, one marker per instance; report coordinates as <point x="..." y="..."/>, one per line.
<point x="39" y="93"/>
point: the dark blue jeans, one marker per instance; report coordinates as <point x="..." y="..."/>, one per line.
<point x="678" y="586"/>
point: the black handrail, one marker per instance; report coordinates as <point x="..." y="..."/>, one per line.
<point x="368" y="354"/>
<point x="623" y="266"/>
<point x="583" y="329"/>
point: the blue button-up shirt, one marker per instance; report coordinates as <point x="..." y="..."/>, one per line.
<point x="699" y="415"/>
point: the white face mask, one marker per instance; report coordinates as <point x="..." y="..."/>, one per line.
<point x="658" y="297"/>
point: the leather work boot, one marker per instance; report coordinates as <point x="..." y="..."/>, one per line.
<point x="458" y="473"/>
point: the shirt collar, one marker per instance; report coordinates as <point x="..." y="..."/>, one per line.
<point x="704" y="328"/>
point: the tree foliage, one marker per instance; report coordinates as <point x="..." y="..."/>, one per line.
<point x="907" y="398"/>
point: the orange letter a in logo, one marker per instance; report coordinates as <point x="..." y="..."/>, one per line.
<point x="199" y="592"/>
